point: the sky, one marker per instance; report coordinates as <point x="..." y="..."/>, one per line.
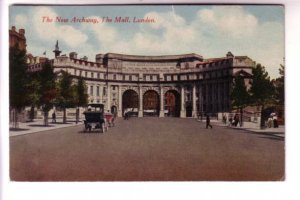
<point x="210" y="31"/>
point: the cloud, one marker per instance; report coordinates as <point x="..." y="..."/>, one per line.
<point x="54" y="31"/>
<point x="232" y="20"/>
<point x="20" y="20"/>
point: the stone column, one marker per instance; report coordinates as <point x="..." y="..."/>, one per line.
<point x="194" y="112"/>
<point x="140" y="114"/>
<point x="108" y="103"/>
<point x="182" y="110"/>
<point x="120" y="110"/>
<point x="200" y="101"/>
<point x="101" y="93"/>
<point x="162" y="109"/>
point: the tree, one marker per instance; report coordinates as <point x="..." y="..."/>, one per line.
<point x="18" y="81"/>
<point x="240" y="96"/>
<point x="279" y="85"/>
<point x="262" y="90"/>
<point x="34" y="91"/>
<point x="81" y="96"/>
<point x="66" y="97"/>
<point x="47" y="90"/>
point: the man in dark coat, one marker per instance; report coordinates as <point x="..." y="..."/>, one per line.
<point x="208" y="122"/>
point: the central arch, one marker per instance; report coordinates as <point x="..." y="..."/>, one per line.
<point x="130" y="101"/>
<point x="172" y="103"/>
<point x="151" y="103"/>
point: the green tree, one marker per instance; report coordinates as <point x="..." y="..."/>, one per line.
<point x="279" y="85"/>
<point x="47" y="89"/>
<point x="18" y="81"/>
<point x="81" y="96"/>
<point x="262" y="90"/>
<point x="66" y="97"/>
<point x="34" y="91"/>
<point x="240" y="96"/>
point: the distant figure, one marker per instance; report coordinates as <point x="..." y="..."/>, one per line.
<point x="275" y="122"/>
<point x="224" y="118"/>
<point x="236" y="120"/>
<point x="230" y="121"/>
<point x="126" y="115"/>
<point x="208" y="122"/>
<point x="53" y="117"/>
<point x="270" y="122"/>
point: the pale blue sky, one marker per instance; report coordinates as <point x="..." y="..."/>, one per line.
<point x="211" y="31"/>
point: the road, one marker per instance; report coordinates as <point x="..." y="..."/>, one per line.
<point x="147" y="149"/>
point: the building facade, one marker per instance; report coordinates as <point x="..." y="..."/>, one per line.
<point x="173" y="85"/>
<point x="17" y="38"/>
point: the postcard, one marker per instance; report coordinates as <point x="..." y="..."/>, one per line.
<point x="164" y="92"/>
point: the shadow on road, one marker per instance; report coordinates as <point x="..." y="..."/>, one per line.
<point x="39" y="125"/>
<point x="18" y="129"/>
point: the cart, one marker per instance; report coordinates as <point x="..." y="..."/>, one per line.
<point x="94" y="118"/>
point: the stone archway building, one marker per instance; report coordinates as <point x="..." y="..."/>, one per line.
<point x="203" y="85"/>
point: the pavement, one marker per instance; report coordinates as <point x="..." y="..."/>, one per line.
<point x="253" y="127"/>
<point x="37" y="126"/>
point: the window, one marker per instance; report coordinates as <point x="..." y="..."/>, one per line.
<point x="75" y="72"/>
<point x="98" y="91"/>
<point x="98" y="75"/>
<point x="86" y="74"/>
<point x="91" y="91"/>
<point x="92" y="74"/>
<point x="104" y="91"/>
<point x="115" y="77"/>
<point x="113" y="87"/>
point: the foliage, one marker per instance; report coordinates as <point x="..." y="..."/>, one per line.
<point x="262" y="90"/>
<point x="81" y="93"/>
<point x="47" y="90"/>
<point x="66" y="95"/>
<point x="239" y="94"/>
<point x="18" y="79"/>
<point x="279" y="85"/>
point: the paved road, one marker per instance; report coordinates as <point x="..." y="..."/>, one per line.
<point x="147" y="149"/>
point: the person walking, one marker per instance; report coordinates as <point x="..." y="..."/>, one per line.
<point x="208" y="121"/>
<point x="53" y="117"/>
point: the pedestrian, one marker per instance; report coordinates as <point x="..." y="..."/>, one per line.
<point x="236" y="120"/>
<point x="53" y="117"/>
<point x="275" y="122"/>
<point x="126" y="115"/>
<point x="270" y="122"/>
<point x="230" y="121"/>
<point x="224" y="119"/>
<point x="208" y="122"/>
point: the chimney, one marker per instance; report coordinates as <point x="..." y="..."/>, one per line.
<point x="73" y="55"/>
<point x="22" y="31"/>
<point x="85" y="58"/>
<point x="229" y="55"/>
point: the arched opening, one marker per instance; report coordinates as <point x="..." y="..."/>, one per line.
<point x="172" y="103"/>
<point x="114" y="110"/>
<point x="130" y="102"/>
<point x="151" y="103"/>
